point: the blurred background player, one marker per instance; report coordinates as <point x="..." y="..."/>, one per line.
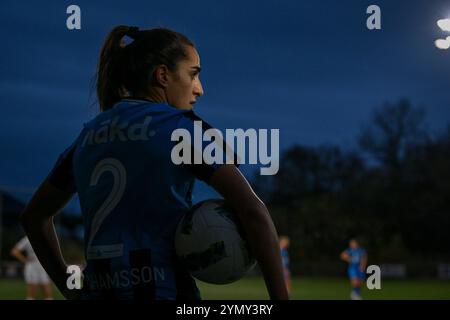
<point x="284" y="246"/>
<point x="34" y="274"/>
<point x="356" y="257"/>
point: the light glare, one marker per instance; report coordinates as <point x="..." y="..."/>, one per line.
<point x="442" y="44"/>
<point x="444" y="24"/>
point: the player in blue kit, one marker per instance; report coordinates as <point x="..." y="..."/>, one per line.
<point x="284" y="250"/>
<point x="356" y="257"/>
<point x="132" y="193"/>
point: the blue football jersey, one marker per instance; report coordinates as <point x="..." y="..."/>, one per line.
<point x="132" y="196"/>
<point x="285" y="257"/>
<point x="356" y="256"/>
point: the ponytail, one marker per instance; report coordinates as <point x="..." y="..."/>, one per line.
<point x="109" y="78"/>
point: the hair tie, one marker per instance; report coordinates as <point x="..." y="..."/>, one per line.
<point x="133" y="32"/>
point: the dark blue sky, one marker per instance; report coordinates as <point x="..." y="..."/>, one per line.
<point x="309" y="68"/>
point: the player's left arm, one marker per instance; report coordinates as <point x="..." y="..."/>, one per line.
<point x="37" y="220"/>
<point x="16" y="253"/>
<point x="363" y="263"/>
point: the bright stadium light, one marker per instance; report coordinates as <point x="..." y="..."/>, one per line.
<point x="444" y="24"/>
<point x="442" y="44"/>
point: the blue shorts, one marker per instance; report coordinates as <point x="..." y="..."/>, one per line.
<point x="355" y="273"/>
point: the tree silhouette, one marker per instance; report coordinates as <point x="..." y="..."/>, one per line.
<point x="394" y="128"/>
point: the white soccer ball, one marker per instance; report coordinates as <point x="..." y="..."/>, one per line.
<point x="209" y="243"/>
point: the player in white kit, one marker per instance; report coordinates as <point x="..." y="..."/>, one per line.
<point x="34" y="274"/>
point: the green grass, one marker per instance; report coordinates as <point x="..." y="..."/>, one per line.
<point x="16" y="290"/>
<point x="303" y="289"/>
<point x="330" y="289"/>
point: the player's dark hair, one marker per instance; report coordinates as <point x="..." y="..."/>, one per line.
<point x="128" y="69"/>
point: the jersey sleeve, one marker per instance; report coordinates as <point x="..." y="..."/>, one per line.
<point x="22" y="244"/>
<point x="204" y="160"/>
<point x="61" y="176"/>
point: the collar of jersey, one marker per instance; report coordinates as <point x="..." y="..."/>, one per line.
<point x="146" y="101"/>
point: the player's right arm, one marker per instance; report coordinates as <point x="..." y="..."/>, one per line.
<point x="257" y="224"/>
<point x="345" y="256"/>
<point x="37" y="220"/>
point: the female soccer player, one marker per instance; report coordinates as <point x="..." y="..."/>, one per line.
<point x="35" y="276"/>
<point x="284" y="251"/>
<point x="356" y="257"/>
<point x="131" y="193"/>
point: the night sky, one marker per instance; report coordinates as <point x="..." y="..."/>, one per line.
<point x="309" y="68"/>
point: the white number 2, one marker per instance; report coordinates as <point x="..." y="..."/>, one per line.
<point x="120" y="180"/>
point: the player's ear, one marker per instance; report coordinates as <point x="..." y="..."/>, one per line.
<point x="161" y="75"/>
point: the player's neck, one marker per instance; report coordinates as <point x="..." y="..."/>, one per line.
<point x="154" y="95"/>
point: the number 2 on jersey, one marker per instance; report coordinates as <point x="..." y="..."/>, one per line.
<point x="120" y="180"/>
